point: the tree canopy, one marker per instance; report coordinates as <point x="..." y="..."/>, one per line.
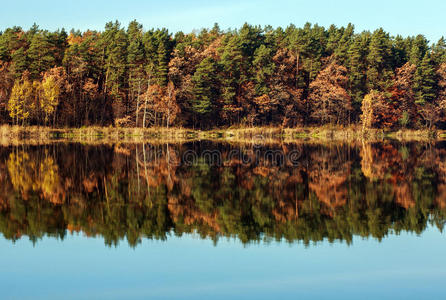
<point x="249" y="76"/>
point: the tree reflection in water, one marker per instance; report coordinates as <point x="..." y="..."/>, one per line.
<point x="135" y="191"/>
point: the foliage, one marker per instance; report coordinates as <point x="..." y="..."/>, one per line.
<point x="212" y="78"/>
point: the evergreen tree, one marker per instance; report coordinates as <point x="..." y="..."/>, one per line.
<point x="40" y="54"/>
<point x="231" y="65"/>
<point x="399" y="51"/>
<point x="158" y="47"/>
<point x="162" y="64"/>
<point x="334" y="34"/>
<point x="425" y="81"/>
<point x="205" y="90"/>
<point x="250" y="38"/>
<point x="357" y="65"/>
<point x="58" y="42"/>
<point x="263" y="69"/>
<point x="116" y="60"/>
<point x="150" y="43"/>
<point x="439" y="52"/>
<point x="343" y="45"/>
<point x="19" y="62"/>
<point x="418" y="49"/>
<point x="379" y="60"/>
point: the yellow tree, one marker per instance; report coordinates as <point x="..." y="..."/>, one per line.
<point x="50" y="96"/>
<point x="20" y="102"/>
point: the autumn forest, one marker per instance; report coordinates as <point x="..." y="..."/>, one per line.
<point x="251" y="76"/>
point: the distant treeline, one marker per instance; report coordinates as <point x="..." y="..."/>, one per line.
<point x="251" y="76"/>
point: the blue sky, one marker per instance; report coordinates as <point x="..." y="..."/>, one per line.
<point x="395" y="16"/>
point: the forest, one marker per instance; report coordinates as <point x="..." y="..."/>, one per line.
<point x="213" y="78"/>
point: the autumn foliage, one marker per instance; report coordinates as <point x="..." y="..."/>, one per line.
<point x="251" y="76"/>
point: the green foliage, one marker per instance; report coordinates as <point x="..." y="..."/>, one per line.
<point x="405" y="119"/>
<point x="19" y="62"/>
<point x="425" y="81"/>
<point x="418" y="50"/>
<point x="379" y="60"/>
<point x="116" y="59"/>
<point x="357" y="65"/>
<point x="263" y="69"/>
<point x="205" y="88"/>
<point x="40" y="54"/>
<point x="232" y="67"/>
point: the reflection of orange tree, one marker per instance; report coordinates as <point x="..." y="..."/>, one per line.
<point x="328" y="176"/>
<point x="385" y="161"/>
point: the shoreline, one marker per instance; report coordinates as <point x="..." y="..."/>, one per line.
<point x="244" y="135"/>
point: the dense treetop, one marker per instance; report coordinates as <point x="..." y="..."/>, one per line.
<point x="249" y="76"/>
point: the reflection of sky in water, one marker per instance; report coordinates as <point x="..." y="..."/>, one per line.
<point x="400" y="267"/>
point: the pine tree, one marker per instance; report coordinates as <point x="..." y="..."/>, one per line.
<point x="205" y="89"/>
<point x="117" y="63"/>
<point x="379" y="60"/>
<point x="425" y="81"/>
<point x="250" y="38"/>
<point x="439" y="52"/>
<point x="19" y="62"/>
<point x="341" y="51"/>
<point x="59" y="43"/>
<point x="41" y="57"/>
<point x="162" y="64"/>
<point x="263" y="69"/>
<point x="232" y="67"/>
<point x="298" y="44"/>
<point x="135" y="60"/>
<point x="399" y="51"/>
<point x="334" y="34"/>
<point x="418" y="50"/>
<point x="357" y="65"/>
<point x="150" y="50"/>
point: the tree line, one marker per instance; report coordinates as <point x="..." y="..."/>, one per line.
<point x="251" y="76"/>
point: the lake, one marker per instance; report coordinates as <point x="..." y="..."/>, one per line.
<point x="201" y="220"/>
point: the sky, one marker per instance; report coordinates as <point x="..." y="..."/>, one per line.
<point x="405" y="17"/>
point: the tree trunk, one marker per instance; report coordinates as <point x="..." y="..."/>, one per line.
<point x="297" y="68"/>
<point x="145" y="104"/>
<point x="137" y="101"/>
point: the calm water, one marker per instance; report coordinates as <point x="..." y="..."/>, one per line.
<point x="205" y="220"/>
